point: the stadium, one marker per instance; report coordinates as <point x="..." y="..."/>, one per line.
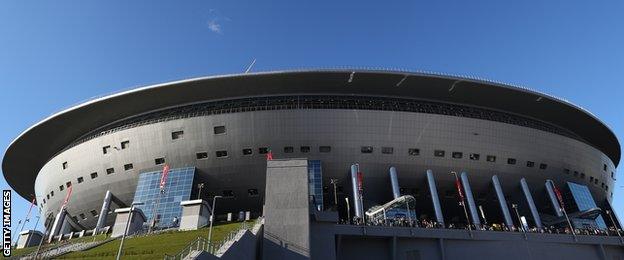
<point x="221" y="129"/>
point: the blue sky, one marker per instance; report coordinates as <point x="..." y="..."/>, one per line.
<point x="59" y="53"/>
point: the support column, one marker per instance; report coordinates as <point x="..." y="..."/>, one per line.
<point x="529" y="198"/>
<point x="553" y="198"/>
<point x="502" y="202"/>
<point x="394" y="181"/>
<point x="474" y="214"/>
<point x="356" y="197"/>
<point x="103" y="212"/>
<point x="433" y="190"/>
<point x="58" y="222"/>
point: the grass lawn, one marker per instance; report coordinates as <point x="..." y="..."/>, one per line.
<point x="155" y="246"/>
<point x="28" y="250"/>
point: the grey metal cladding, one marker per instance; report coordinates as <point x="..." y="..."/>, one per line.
<point x="33" y="148"/>
<point x="345" y="131"/>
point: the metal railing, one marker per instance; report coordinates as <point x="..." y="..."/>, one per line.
<point x="202" y="244"/>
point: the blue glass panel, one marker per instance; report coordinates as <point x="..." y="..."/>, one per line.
<point x="167" y="203"/>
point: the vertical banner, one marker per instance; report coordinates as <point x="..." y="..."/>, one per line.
<point x="163" y="177"/>
<point x="69" y="192"/>
<point x="559" y="197"/>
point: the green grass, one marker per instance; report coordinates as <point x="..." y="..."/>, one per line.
<point x="155" y="246"/>
<point x="28" y="250"/>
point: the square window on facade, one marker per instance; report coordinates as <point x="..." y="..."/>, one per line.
<point x="324" y="149"/>
<point x="511" y="161"/>
<point x="413" y="151"/>
<point x="201" y="155"/>
<point x="566" y="171"/>
<point x="438" y="153"/>
<point x="82" y="216"/>
<point x="576" y="174"/>
<point x="110" y="170"/>
<point x="582" y="175"/>
<point x="475" y="156"/>
<point x="252" y="192"/>
<point x="543" y="166"/>
<point x="604" y="167"/>
<point x="128" y="166"/>
<point x="591" y="178"/>
<point x="612" y="175"/>
<point x="221" y="154"/>
<point x="219" y="130"/>
<point x="177" y="135"/>
<point x="93" y="175"/>
<point x="48" y="196"/>
<point x="304" y="149"/>
<point x="457" y="155"/>
<point x="106" y="149"/>
<point x="80" y="179"/>
<point x="228" y="193"/>
<point x="289" y="149"/>
<point x="125" y="144"/>
<point x="159" y="161"/>
<point x="263" y="150"/>
<point x="366" y="149"/>
<point x="52" y="193"/>
<point x="596" y="181"/>
<point x="64" y="165"/>
<point x="490" y="158"/>
<point x="247" y="151"/>
<point x="68" y="184"/>
<point x="61" y="188"/>
<point x="602" y="184"/>
<point x="530" y="164"/>
<point x="387" y="150"/>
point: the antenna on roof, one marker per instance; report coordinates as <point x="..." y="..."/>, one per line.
<point x="250" y="65"/>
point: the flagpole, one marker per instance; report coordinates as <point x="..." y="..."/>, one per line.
<point x="163" y="181"/>
<point x="562" y="209"/>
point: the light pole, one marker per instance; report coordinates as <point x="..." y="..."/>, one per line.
<point x="214" y="200"/>
<point x="348" y="211"/>
<point x="515" y="207"/>
<point x="615" y="226"/>
<point x="123" y="237"/>
<point x="199" y="189"/>
<point x="334" y="182"/>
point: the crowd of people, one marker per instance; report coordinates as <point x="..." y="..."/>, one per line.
<point x="425" y="223"/>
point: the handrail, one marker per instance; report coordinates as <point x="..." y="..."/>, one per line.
<point x="202" y="243"/>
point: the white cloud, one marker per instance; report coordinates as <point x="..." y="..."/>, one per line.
<point x="215" y="21"/>
<point x="214" y="26"/>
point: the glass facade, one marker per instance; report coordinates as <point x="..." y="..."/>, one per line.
<point x="178" y="188"/>
<point x="315" y="182"/>
<point x="584" y="201"/>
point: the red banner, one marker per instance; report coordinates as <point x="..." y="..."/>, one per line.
<point x="69" y="192"/>
<point x="269" y="156"/>
<point x="559" y="197"/>
<point x="459" y="190"/>
<point x="163" y="177"/>
<point x="360" y="180"/>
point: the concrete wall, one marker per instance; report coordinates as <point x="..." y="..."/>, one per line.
<point x="287" y="221"/>
<point x="344" y="130"/>
<point x="194" y="216"/>
<point x="405" y="243"/>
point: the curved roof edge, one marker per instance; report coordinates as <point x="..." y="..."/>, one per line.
<point x="20" y="159"/>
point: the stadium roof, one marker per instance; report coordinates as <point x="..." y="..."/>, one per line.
<point x="34" y="147"/>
